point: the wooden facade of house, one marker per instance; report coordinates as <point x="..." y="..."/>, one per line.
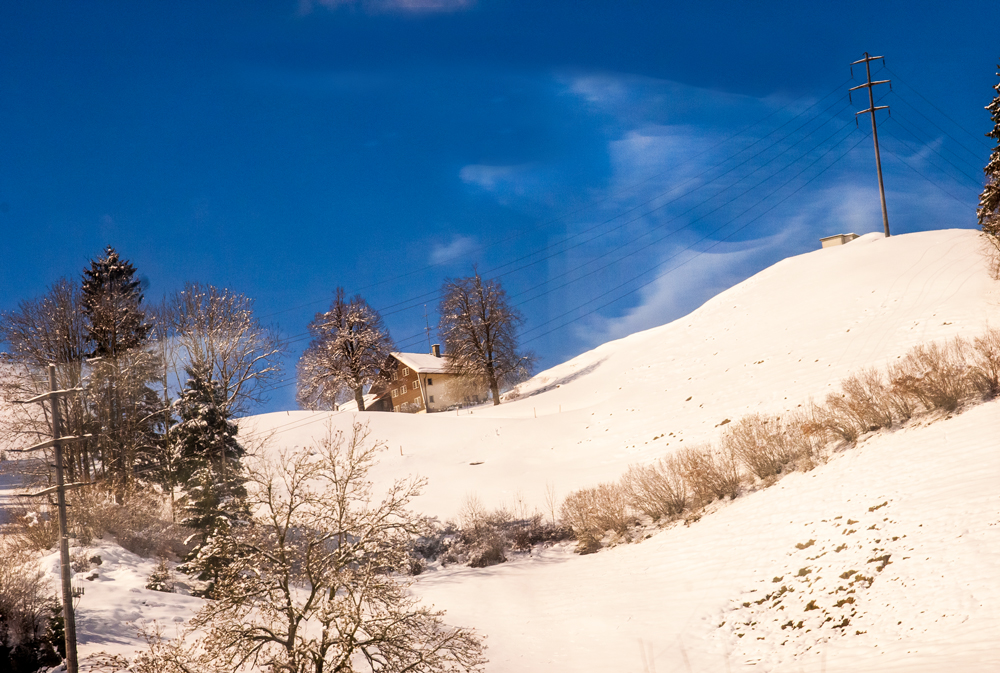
<point x="420" y="382"/>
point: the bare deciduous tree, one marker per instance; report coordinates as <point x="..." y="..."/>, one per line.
<point x="349" y="346"/>
<point x="215" y="328"/>
<point x="49" y="329"/>
<point x="479" y="328"/>
<point x="315" y="583"/>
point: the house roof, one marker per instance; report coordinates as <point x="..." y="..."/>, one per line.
<point x="423" y="363"/>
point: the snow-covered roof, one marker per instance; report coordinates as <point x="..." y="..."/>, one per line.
<point x="423" y="363"/>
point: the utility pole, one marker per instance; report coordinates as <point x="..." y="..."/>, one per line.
<point x="427" y="326"/>
<point x="68" y="594"/>
<point x="871" y="110"/>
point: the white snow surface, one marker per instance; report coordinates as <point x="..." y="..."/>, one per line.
<point x="705" y="597"/>
<point x="771" y="343"/>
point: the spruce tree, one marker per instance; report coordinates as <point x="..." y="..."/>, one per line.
<point x="209" y="464"/>
<point x="989" y="201"/>
<point x="112" y="304"/>
<point x="123" y="405"/>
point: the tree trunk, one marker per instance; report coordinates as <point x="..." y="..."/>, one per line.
<point x="495" y="390"/>
<point x="359" y="398"/>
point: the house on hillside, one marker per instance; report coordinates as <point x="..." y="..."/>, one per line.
<point x="419" y="383"/>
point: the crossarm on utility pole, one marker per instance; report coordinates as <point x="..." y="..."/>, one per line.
<point x="53" y="489"/>
<point x="51" y="443"/>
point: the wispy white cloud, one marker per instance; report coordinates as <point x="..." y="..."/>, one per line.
<point x="698" y="277"/>
<point x="490" y="177"/>
<point x="459" y="249"/>
<point x="509" y="184"/>
<point x="390" y="6"/>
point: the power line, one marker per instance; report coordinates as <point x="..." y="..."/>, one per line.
<point x="943" y="113"/>
<point x="674" y="231"/>
<point x="415" y="337"/>
<point x="411" y="303"/>
<point x="904" y="126"/>
<point x="972" y="152"/>
<point x="922" y="174"/>
<point x="564" y="215"/>
<point x="686" y="248"/>
<point x="416" y="302"/>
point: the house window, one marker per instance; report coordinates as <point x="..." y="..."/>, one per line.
<point x="395" y="392"/>
<point x="402" y="391"/>
<point x="430" y="381"/>
<point x="406" y="371"/>
<point x="432" y="397"/>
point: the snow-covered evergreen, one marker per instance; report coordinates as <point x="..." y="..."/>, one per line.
<point x="989" y="201"/>
<point x="208" y="464"/>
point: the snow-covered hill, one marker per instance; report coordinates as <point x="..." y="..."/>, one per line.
<point x="690" y="597"/>
<point x="921" y="502"/>
<point x="788" y="334"/>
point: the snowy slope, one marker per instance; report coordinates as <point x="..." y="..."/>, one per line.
<point x="658" y="605"/>
<point x="768" y="344"/>
<point x="681" y="599"/>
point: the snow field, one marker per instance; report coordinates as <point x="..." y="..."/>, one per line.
<point x="681" y="599"/>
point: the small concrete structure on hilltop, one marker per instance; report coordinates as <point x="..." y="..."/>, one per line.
<point x="838" y="239"/>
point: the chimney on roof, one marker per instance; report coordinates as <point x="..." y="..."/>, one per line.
<point x="436" y="350"/>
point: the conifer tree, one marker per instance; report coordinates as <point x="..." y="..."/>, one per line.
<point x="123" y="404"/>
<point x="208" y="462"/>
<point x="112" y="304"/>
<point x="989" y="200"/>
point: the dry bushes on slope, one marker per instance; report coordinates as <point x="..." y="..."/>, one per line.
<point x="935" y="376"/>
<point x="142" y="525"/>
<point x="30" y="620"/>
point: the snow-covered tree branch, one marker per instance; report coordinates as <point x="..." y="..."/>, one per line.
<point x="479" y="328"/>
<point x="349" y="346"/>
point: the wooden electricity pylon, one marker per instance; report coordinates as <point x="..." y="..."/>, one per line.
<point x="69" y="617"/>
<point x="871" y="110"/>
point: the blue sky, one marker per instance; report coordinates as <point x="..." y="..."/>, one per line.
<point x="614" y="164"/>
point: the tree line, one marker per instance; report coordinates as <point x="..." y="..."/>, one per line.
<point x="350" y="344"/>
<point x="304" y="567"/>
<point x="157" y="385"/>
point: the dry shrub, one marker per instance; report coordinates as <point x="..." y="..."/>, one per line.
<point x="26" y="610"/>
<point x="710" y="474"/>
<point x="829" y="422"/>
<point x="984" y="356"/>
<point x="869" y="400"/>
<point x="482" y="537"/>
<point x="935" y="375"/>
<point x="801" y="443"/>
<point x="482" y="533"/>
<point x="657" y="490"/>
<point x="760" y="443"/>
<point x="35" y="523"/>
<point x="141" y="525"/>
<point x="592" y="512"/>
